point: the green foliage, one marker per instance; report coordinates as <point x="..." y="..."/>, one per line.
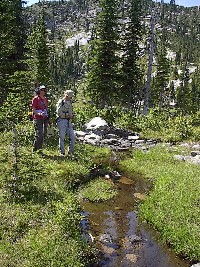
<point x="40" y="214"/>
<point x="66" y="63"/>
<point x="166" y="126"/>
<point x="38" y="52"/>
<point x="12" y="38"/>
<point x="118" y="116"/>
<point x="25" y="133"/>
<point x="15" y="107"/>
<point x="98" y="190"/>
<point x="115" y="115"/>
<point x="131" y="72"/>
<point x="103" y="60"/>
<point x="43" y="235"/>
<point x="83" y="113"/>
<point x="172" y="206"/>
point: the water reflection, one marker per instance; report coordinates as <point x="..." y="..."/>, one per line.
<point x="123" y="240"/>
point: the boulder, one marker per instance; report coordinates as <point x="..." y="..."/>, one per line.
<point x="92" y="139"/>
<point x="96" y="123"/>
<point x="196" y="265"/>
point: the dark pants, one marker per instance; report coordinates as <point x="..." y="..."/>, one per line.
<point x="40" y="133"/>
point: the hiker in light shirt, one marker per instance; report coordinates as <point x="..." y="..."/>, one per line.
<point x="64" y="114"/>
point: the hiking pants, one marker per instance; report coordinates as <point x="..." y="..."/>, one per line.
<point x="65" y="127"/>
<point x="40" y="133"/>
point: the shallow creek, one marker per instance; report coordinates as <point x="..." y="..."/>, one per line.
<point x="118" y="234"/>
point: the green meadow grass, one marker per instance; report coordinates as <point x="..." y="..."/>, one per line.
<point x="98" y="190"/>
<point x="40" y="213"/>
<point x="40" y="210"/>
<point x="173" y="205"/>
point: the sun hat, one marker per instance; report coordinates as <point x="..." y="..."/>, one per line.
<point x="69" y="93"/>
<point x="42" y="87"/>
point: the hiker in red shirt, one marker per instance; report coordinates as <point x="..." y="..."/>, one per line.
<point x="40" y="117"/>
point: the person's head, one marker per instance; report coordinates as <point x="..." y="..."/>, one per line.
<point x="42" y="90"/>
<point x="68" y="94"/>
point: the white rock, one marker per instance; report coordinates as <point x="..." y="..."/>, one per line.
<point x="97" y="123"/>
<point x="133" y="137"/>
<point x="196" y="265"/>
<point x="82" y="37"/>
<point x="80" y="133"/>
<point x="179" y="157"/>
<point x="92" y="137"/>
<point x="197" y="146"/>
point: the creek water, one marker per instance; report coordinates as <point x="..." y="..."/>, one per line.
<point x="114" y="224"/>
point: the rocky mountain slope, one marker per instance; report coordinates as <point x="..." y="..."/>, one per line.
<point x="74" y="22"/>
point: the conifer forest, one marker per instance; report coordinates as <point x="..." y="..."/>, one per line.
<point x="140" y="55"/>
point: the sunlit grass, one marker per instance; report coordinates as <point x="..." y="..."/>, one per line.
<point x="172" y="207"/>
<point x="40" y="213"/>
<point x="40" y="209"/>
<point x="98" y="190"/>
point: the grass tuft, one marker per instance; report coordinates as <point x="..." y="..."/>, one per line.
<point x="98" y="190"/>
<point x="172" y="207"/>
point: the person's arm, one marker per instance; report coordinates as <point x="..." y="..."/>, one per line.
<point x="36" y="112"/>
<point x="70" y="115"/>
<point x="58" y="107"/>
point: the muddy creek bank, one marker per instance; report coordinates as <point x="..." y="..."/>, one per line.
<point x="122" y="239"/>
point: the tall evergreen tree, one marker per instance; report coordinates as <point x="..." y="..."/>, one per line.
<point x="38" y="51"/>
<point x="195" y="91"/>
<point x="131" y="74"/>
<point x="12" y="38"/>
<point x="65" y="64"/>
<point x="103" y="62"/>
<point x="159" y="90"/>
<point x="184" y="96"/>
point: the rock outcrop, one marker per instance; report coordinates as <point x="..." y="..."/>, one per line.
<point x="97" y="132"/>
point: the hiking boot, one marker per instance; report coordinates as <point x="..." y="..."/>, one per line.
<point x="62" y="154"/>
<point x="70" y="153"/>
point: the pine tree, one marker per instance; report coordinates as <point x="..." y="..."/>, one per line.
<point x="38" y="52"/>
<point x="184" y="96"/>
<point x="131" y="74"/>
<point x="65" y="64"/>
<point x="103" y="61"/>
<point x="12" y="38"/>
<point x="159" y="92"/>
<point x="195" y="91"/>
<point x="171" y="92"/>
